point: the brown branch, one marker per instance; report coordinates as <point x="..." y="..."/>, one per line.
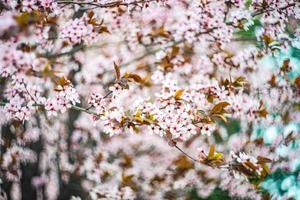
<point x="187" y="155"/>
<point x="272" y="9"/>
<point x="106" y="5"/>
<point x="75" y="49"/>
<point x="74" y="107"/>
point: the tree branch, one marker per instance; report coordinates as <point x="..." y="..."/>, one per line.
<point x="106" y="5"/>
<point x="187" y="155"/>
<point x="272" y="9"/>
<point x="75" y="49"/>
<point x="74" y="107"/>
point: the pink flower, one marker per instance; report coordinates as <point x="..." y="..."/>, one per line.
<point x="79" y="30"/>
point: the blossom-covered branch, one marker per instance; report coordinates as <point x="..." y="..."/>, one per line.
<point x="109" y="4"/>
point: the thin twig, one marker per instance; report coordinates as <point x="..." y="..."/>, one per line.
<point x="75" y="49"/>
<point x="74" y="107"/>
<point x="187" y="155"/>
<point x="272" y="9"/>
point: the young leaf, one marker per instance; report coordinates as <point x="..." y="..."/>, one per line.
<point x="272" y="81"/>
<point x="263" y="113"/>
<point x="117" y="70"/>
<point x="178" y="94"/>
<point x="251" y="165"/>
<point x="62" y="81"/>
<point x="183" y="163"/>
<point x="175" y="51"/>
<point x="103" y="29"/>
<point x="221" y="117"/>
<point x="134" y="77"/>
<point x="211" y="151"/>
<point x="161" y="32"/>
<point x="268" y="39"/>
<point x="219" y="108"/>
<point x="261" y="160"/>
<point x="138" y="116"/>
<point x="240" y="81"/>
<point x="286" y="66"/>
<point x="297" y="81"/>
<point x="90" y="14"/>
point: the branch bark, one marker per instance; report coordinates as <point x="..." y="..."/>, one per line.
<point x="106" y="5"/>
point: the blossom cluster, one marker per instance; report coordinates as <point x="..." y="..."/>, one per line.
<point x="79" y="30"/>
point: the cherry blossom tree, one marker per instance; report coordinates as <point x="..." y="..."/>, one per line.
<point x="149" y="99"/>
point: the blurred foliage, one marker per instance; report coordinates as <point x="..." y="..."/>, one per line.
<point x="217" y="194"/>
<point x="250" y="31"/>
<point x="295" y="53"/>
<point x="232" y="126"/>
<point x="283" y="183"/>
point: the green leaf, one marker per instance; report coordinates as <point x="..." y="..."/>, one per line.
<point x="250" y="33"/>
